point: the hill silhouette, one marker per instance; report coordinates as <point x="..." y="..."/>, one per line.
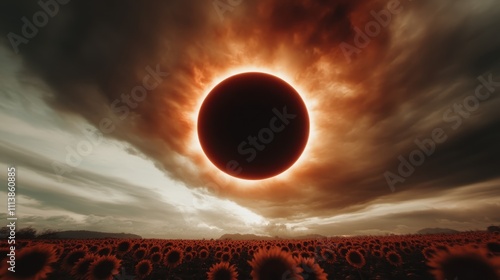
<point x="85" y="234"/>
<point x="436" y="231"/>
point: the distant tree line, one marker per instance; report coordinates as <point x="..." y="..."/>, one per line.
<point x="493" y="228"/>
<point x="29" y="233"/>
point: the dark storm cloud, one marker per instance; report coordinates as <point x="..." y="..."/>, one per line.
<point x="92" y="52"/>
<point x="372" y="106"/>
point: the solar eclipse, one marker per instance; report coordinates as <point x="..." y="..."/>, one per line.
<point x="253" y="125"/>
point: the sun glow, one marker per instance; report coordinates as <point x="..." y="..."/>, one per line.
<point x="226" y="179"/>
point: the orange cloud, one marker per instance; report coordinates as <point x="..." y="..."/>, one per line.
<point x="365" y="110"/>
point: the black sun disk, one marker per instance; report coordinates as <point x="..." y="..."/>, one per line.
<point x="253" y="126"/>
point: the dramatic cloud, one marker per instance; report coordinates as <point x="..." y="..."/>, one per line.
<point x="379" y="77"/>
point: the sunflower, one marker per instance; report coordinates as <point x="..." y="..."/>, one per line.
<point x="385" y="249"/>
<point x="407" y="250"/>
<point x="188" y="257"/>
<point x="311" y="248"/>
<point x="328" y="256"/>
<point x="32" y="263"/>
<point x="93" y="248"/>
<point x="81" y="267"/>
<point x="143" y="268"/>
<point x="154" y="249"/>
<point x="493" y="247"/>
<point x="355" y="258"/>
<point x="310" y="269"/>
<point x="377" y="253"/>
<point x="103" y="268"/>
<point x="174" y="257"/>
<point x="165" y="249"/>
<point x="72" y="257"/>
<point x="440" y="247"/>
<point x="218" y="254"/>
<point x="394" y="258"/>
<point x="203" y="254"/>
<point x="304" y="254"/>
<point x="343" y="251"/>
<point x="222" y="271"/>
<point x="226" y="257"/>
<point x="123" y="247"/>
<point x="156" y="258"/>
<point x="464" y="263"/>
<point x="104" y="251"/>
<point x="195" y="254"/>
<point x="429" y="252"/>
<point x="140" y="253"/>
<point x="136" y="246"/>
<point x="274" y="264"/>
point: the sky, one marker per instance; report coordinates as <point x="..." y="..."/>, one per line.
<point x="100" y="100"/>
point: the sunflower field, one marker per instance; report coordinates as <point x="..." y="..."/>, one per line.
<point x="462" y="256"/>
